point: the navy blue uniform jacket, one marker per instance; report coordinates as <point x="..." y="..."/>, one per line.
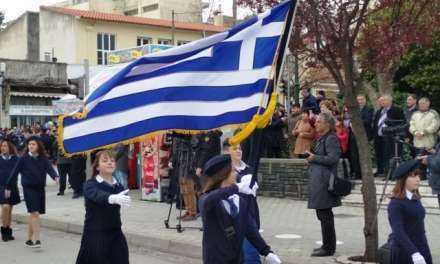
<point x="217" y="247"/>
<point x="6" y="167"/>
<point x="407" y="220"/>
<point x="33" y="172"/>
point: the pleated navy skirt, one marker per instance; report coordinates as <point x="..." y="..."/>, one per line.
<point x="103" y="247"/>
<point x="13" y="199"/>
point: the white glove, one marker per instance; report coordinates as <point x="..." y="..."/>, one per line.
<point x="418" y="258"/>
<point x="273" y="259"/>
<point x="121" y="198"/>
<point x="243" y="187"/>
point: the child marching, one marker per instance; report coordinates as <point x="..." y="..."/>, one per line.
<point x="103" y="241"/>
<point x="226" y="216"/>
<point x="8" y="159"/>
<point x="33" y="167"/>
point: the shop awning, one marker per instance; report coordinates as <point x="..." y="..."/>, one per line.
<point x="41" y="95"/>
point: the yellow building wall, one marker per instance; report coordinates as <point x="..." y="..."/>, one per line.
<point x="86" y="32"/>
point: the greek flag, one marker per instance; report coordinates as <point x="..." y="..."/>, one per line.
<point x="221" y="80"/>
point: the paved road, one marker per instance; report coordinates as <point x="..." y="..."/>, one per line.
<point x="59" y="247"/>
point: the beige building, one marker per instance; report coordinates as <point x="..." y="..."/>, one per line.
<point x="186" y="10"/>
<point x="70" y="35"/>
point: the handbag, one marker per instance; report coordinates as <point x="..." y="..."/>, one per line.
<point x="338" y="186"/>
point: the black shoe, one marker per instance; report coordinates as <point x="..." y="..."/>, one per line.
<point x="317" y="249"/>
<point x="4" y="234"/>
<point x="37" y="244"/>
<point x="76" y="195"/>
<point x="9" y="233"/>
<point x="60" y="194"/>
<point x="29" y="243"/>
<point x="322" y="253"/>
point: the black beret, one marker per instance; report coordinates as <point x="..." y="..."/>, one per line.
<point x="405" y="168"/>
<point x="216" y="164"/>
<point x="33" y="138"/>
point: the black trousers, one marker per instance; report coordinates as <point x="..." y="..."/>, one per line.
<point x="383" y="148"/>
<point x="327" y="219"/>
<point x="78" y="174"/>
<point x="63" y="170"/>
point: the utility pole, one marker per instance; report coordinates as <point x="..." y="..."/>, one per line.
<point x="173" y="27"/>
<point x="234" y="11"/>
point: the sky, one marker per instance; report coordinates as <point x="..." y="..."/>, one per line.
<point x="14" y="8"/>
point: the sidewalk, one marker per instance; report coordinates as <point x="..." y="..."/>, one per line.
<point x="143" y="224"/>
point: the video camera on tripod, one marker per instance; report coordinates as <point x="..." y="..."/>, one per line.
<point x="396" y="128"/>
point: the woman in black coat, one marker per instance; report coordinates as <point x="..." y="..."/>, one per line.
<point x="33" y="167"/>
<point x="8" y="159"/>
<point x="226" y="218"/>
<point x="103" y="241"/>
<point x="406" y="215"/>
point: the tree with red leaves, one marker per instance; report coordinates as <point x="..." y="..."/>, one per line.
<point x="336" y="35"/>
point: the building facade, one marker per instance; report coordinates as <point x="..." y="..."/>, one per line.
<point x="70" y="35"/>
<point x="28" y="89"/>
<point x="186" y="11"/>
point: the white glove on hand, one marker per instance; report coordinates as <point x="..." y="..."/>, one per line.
<point x="121" y="198"/>
<point x="418" y="258"/>
<point x="243" y="187"/>
<point x="273" y="259"/>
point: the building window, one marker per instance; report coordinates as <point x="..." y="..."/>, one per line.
<point x="150" y="8"/>
<point x="182" y="42"/>
<point x="164" y="41"/>
<point x="143" y="41"/>
<point x="48" y="56"/>
<point x="77" y="2"/>
<point x="105" y="43"/>
<point x="132" y="12"/>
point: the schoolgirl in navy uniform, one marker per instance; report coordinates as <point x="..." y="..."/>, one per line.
<point x="8" y="159"/>
<point x="103" y="241"/>
<point x="250" y="254"/>
<point x="406" y="215"/>
<point x="226" y="218"/>
<point x="33" y="167"/>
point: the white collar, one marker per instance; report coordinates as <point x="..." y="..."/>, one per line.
<point x="99" y="179"/>
<point x="409" y="194"/>
<point x="241" y="167"/>
<point x="33" y="156"/>
<point x="235" y="199"/>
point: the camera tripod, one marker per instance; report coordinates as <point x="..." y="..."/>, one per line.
<point x="183" y="167"/>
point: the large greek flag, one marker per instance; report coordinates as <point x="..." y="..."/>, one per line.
<point x="221" y="80"/>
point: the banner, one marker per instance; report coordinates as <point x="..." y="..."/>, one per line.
<point x="131" y="54"/>
<point x="154" y="166"/>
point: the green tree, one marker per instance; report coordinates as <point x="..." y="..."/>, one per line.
<point x="419" y="72"/>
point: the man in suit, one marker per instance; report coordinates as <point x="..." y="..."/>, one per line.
<point x="367" y="114"/>
<point x="383" y="144"/>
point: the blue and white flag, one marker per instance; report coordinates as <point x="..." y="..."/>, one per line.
<point x="221" y="80"/>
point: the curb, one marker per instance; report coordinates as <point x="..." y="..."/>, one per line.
<point x="167" y="246"/>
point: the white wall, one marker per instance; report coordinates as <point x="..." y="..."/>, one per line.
<point x="13" y="40"/>
<point x="57" y="33"/>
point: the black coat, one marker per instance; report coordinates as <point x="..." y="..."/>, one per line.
<point x="6" y="167"/>
<point x="217" y="223"/>
<point x="394" y="113"/>
<point x="367" y="114"/>
<point x="209" y="145"/>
